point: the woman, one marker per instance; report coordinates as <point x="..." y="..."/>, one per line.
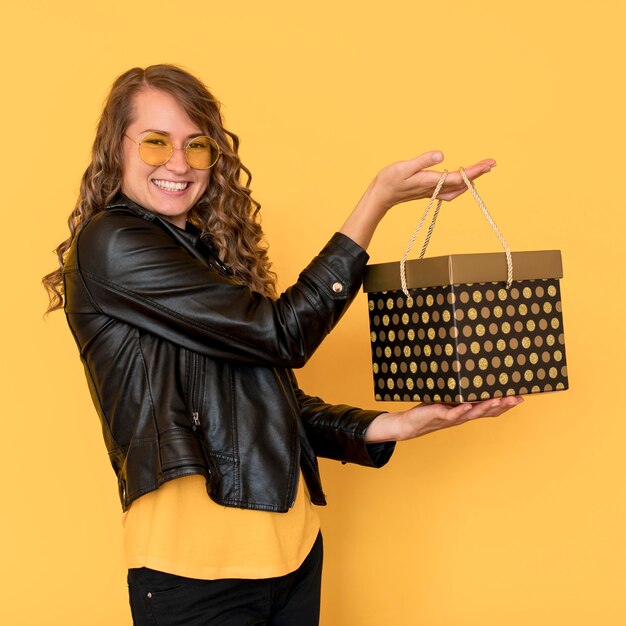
<point x="188" y="354"/>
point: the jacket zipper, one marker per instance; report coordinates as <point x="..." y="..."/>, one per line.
<point x="195" y="415"/>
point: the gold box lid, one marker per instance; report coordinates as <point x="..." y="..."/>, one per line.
<point x="455" y="269"/>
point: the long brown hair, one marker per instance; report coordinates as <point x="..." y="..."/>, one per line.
<point x="226" y="211"/>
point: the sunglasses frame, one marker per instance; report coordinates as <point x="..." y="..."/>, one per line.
<point x="184" y="149"/>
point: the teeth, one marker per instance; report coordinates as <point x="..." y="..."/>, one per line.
<point x="170" y="186"/>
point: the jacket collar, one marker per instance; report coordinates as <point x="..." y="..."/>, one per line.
<point x="190" y="233"/>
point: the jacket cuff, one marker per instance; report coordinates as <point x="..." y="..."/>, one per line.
<point x="349" y="246"/>
<point x="380" y="453"/>
<point x="338" y="268"/>
<point x="369" y="454"/>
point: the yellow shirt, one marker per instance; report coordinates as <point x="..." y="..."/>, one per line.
<point x="178" y="529"/>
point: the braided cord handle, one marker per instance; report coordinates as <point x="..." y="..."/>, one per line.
<point x="483" y="208"/>
<point x="417" y="230"/>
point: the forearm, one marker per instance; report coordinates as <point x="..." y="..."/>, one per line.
<point x="365" y="217"/>
<point x="337" y="431"/>
<point x="383" y="428"/>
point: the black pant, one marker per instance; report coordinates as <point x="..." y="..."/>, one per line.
<point x="159" y="599"/>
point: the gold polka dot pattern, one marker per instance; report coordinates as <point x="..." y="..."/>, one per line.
<point x="463" y="343"/>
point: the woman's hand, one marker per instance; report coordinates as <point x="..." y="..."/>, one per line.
<point x="403" y="181"/>
<point x="409" y="180"/>
<point x="427" y="418"/>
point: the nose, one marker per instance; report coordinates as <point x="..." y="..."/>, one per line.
<point x="177" y="163"/>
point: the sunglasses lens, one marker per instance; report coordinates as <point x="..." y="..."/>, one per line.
<point x="155" y="149"/>
<point x="202" y="153"/>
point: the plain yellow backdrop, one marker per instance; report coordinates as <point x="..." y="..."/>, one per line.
<point x="515" y="521"/>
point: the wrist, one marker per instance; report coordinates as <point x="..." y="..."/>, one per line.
<point x="375" y="200"/>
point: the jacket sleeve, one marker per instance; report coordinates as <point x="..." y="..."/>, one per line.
<point x="337" y="431"/>
<point x="135" y="271"/>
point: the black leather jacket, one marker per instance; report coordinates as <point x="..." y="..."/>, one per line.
<point x="191" y="373"/>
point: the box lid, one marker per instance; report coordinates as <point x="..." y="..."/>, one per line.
<point x="457" y="269"/>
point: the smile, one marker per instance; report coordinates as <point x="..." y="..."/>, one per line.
<point x="169" y="185"/>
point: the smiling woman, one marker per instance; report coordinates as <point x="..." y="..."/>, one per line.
<point x="165" y="95"/>
<point x="189" y="354"/>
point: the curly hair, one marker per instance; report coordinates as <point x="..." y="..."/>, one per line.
<point x="226" y="211"/>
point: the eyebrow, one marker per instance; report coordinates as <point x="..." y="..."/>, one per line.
<point x="164" y="132"/>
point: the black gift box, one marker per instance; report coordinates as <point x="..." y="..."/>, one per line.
<point x="461" y="335"/>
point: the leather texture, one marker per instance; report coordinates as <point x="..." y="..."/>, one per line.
<point x="191" y="373"/>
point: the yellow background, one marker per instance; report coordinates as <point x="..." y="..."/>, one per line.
<point x="514" y="521"/>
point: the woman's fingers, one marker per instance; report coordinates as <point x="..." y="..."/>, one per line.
<point x="455" y="185"/>
<point x="493" y="407"/>
<point x="467" y="411"/>
<point x="413" y="180"/>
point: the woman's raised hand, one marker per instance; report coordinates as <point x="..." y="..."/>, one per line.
<point x="403" y="181"/>
<point x="410" y="180"/>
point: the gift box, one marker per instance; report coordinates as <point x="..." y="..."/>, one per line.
<point x="461" y="335"/>
<point x="467" y="327"/>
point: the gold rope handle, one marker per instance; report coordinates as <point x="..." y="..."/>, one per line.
<point x="417" y="230"/>
<point x="483" y="208"/>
